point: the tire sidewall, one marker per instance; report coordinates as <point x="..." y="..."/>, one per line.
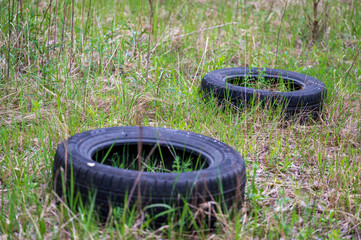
<point x="222" y="160"/>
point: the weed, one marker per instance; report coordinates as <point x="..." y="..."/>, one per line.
<point x="262" y="82"/>
<point x="164" y="160"/>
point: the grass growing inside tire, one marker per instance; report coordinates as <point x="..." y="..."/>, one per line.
<point x="154" y="158"/>
<point x="265" y="83"/>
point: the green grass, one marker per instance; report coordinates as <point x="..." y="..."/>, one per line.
<point x="110" y="64"/>
<point x="154" y="158"/>
<point x="265" y="83"/>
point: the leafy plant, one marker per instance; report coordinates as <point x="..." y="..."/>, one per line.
<point x="153" y="163"/>
<point x="264" y="83"/>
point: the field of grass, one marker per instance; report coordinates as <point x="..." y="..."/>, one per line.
<point x="71" y="66"/>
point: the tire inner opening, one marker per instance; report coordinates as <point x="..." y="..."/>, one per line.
<point x="155" y="158"/>
<point x="267" y="83"/>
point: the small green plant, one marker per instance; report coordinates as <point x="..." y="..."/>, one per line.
<point x="153" y="163"/>
<point x="182" y="166"/>
<point x="264" y="83"/>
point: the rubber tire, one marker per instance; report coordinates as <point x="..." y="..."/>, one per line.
<point x="309" y="98"/>
<point x="224" y="178"/>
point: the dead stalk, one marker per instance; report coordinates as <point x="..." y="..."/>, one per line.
<point x="63" y="29"/>
<point x="8" y="60"/>
<point x="150" y="32"/>
<point x="87" y="20"/>
<point x="49" y="30"/>
<point x="21" y="23"/>
<point x="279" y="32"/>
<point x="72" y="37"/>
<point x="317" y="23"/>
<point x="56" y="21"/>
<point x="139" y="158"/>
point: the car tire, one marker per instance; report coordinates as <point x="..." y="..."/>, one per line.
<point x="308" y="96"/>
<point x="223" y="179"/>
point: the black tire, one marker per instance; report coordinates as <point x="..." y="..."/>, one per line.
<point x="308" y="96"/>
<point x="224" y="178"/>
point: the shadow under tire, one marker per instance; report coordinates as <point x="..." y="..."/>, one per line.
<point x="223" y="179"/>
<point x="309" y="95"/>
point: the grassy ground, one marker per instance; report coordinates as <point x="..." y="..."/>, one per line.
<point x="70" y="66"/>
